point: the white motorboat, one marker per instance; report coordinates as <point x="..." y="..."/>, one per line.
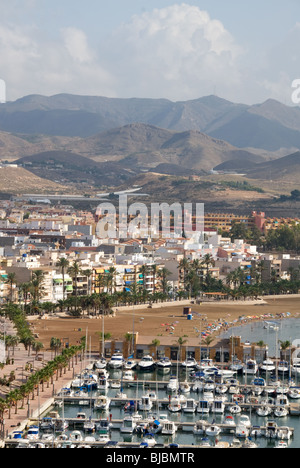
<point x="173" y="384"/>
<point x="281" y="411"/>
<point x="250" y="367"/>
<point x="89" y="426"/>
<point x="267" y="366"/>
<point x="245" y="420"/>
<point x="294" y="393"/>
<point x="241" y="431"/>
<point x="189" y="406"/>
<point x="33" y="433"/>
<point x="184" y="387"/>
<point x="213" y="430"/>
<point x="175" y="404"/>
<point x="200" y="427"/>
<point x="148" y="441"/>
<point x="104" y="438"/>
<point x="145" y="403"/>
<point x="283" y="367"/>
<point x="281" y="444"/>
<point x="128" y="375"/>
<point x="76" y="436"/>
<point x="128" y="425"/>
<point x="235" y="409"/>
<point x="229" y="421"/>
<point x="189" y="363"/>
<point x="103" y="384"/>
<point x="203" y="406"/>
<point x="100" y="364"/>
<point x="164" y="365"/>
<point x="264" y="411"/>
<point x="102" y="403"/>
<point x="130" y="364"/>
<point x="147" y="363"/>
<point x="284" y="433"/>
<point x="218" y="407"/>
<point x="168" y="428"/>
<point x="296" y="367"/>
<point x="116" y="361"/>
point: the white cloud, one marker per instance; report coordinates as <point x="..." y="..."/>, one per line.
<point x="177" y="52"/>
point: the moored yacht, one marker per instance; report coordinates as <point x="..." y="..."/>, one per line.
<point x="116" y="361"/>
<point x="164" y="365"/>
<point x="267" y="366"/>
<point x="250" y="367"/>
<point x="147" y="363"/>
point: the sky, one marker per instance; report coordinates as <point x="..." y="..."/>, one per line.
<point x="241" y="51"/>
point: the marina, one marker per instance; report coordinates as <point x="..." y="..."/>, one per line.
<point x="204" y="409"/>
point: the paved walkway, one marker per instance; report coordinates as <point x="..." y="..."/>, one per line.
<point x="19" y="359"/>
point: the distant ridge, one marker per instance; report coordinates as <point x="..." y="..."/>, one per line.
<point x="269" y="126"/>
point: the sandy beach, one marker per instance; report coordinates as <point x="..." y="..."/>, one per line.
<point x="163" y="321"/>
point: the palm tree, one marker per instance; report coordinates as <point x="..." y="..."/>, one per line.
<point x="63" y="264"/>
<point x="208" y="261"/>
<point x="74" y="272"/>
<point x="37" y="284"/>
<point x="180" y="342"/>
<point x="11" y="280"/>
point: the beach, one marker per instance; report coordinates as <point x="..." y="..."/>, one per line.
<point x="163" y="321"/>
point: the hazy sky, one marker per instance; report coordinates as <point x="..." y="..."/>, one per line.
<point x="242" y="51"/>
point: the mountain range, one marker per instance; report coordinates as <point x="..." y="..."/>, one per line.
<point x="85" y="142"/>
<point x="269" y="126"/>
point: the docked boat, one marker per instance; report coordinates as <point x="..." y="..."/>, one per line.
<point x="294" y="393"/>
<point x="168" y="428"/>
<point x="264" y="411"/>
<point x="203" y="406"/>
<point x="184" y="387"/>
<point x="218" y="407"/>
<point x="250" y="367"/>
<point x="128" y="375"/>
<point x="128" y="425"/>
<point x="284" y="433"/>
<point x="130" y="364"/>
<point x="283" y="367"/>
<point x="116" y="361"/>
<point x="33" y="433"/>
<point x="100" y="364"/>
<point x="267" y="366"/>
<point x="281" y="412"/>
<point x="164" y="365"/>
<point x="148" y="441"/>
<point x="189" y="363"/>
<point x="103" y="384"/>
<point x="212" y="430"/>
<point x="189" y="406"/>
<point x="296" y="367"/>
<point x="173" y="384"/>
<point x="241" y="431"/>
<point x="145" y="403"/>
<point x="102" y="403"/>
<point x="200" y="427"/>
<point x="147" y="363"/>
<point x="174" y="405"/>
<point x="76" y="436"/>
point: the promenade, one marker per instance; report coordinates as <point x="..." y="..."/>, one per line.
<point x="20" y="361"/>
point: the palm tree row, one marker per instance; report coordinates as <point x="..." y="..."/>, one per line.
<point x="43" y="376"/>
